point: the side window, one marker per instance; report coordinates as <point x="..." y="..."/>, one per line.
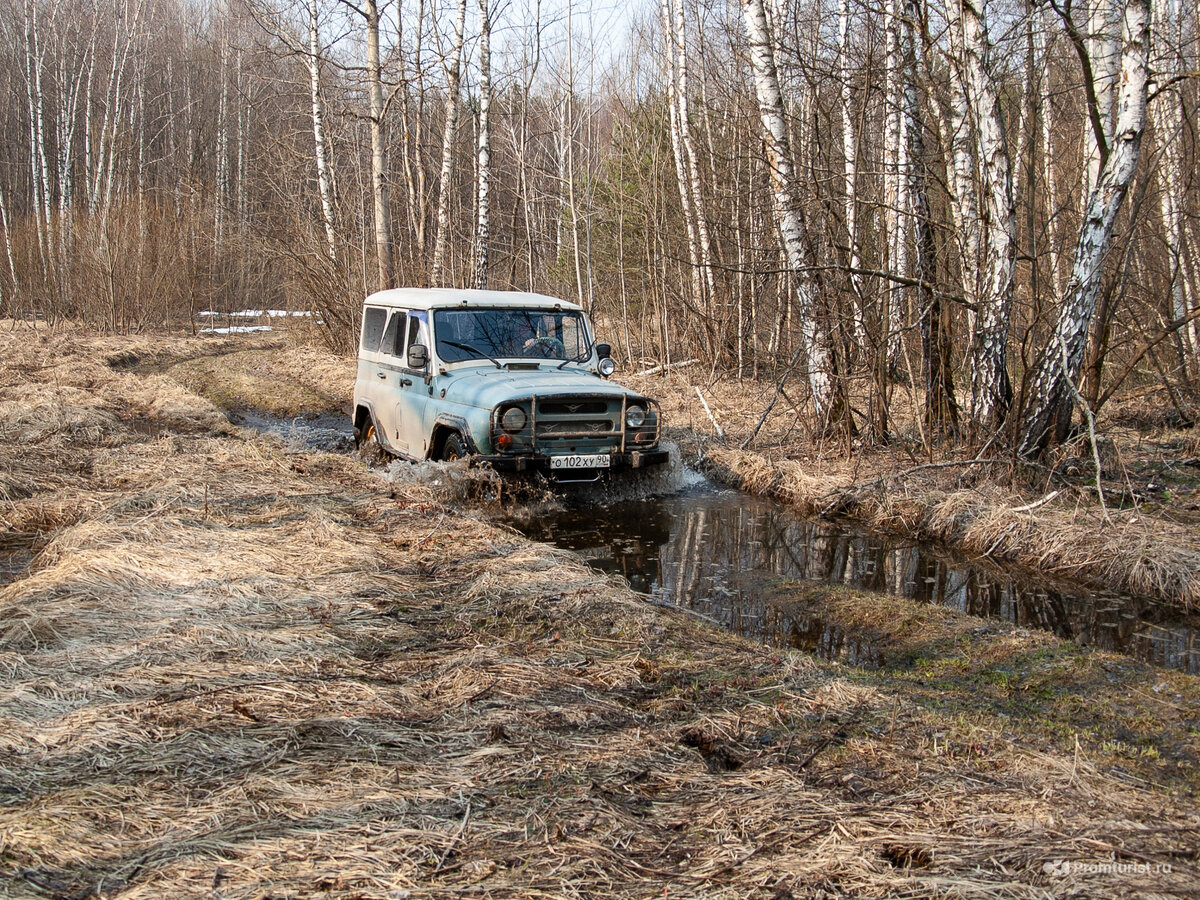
<point x="389" y="344"/>
<point x="418" y="331"/>
<point x="374" y="319"/>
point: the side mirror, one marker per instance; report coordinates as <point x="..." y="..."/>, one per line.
<point x="418" y="356"/>
<point x="605" y="365"/>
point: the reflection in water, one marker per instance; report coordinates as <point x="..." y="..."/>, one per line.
<point x="714" y="551"/>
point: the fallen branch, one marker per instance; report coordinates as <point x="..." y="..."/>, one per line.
<point x="711" y="417"/>
<point x="1030" y="507"/>
<point x="668" y="366"/>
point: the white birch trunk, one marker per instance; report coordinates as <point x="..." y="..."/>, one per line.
<point x="991" y="392"/>
<point x="484" y="173"/>
<point x="1048" y="411"/>
<point x="1053" y="202"/>
<point x="379" y="187"/>
<point x="243" y="95"/>
<point x="324" y="179"/>
<point x="1167" y="117"/>
<point x="825" y="391"/>
<point x="453" y="78"/>
<point x="128" y="14"/>
<point x="693" y="158"/>
<point x="955" y="127"/>
<point x="677" y="150"/>
<point x="36" y="151"/>
<point x="896" y="195"/>
<point x="850" y="171"/>
<point x="11" y="308"/>
<point x="222" y="152"/>
<point x="1104" y="51"/>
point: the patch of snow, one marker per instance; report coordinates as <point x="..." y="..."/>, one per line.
<point x="236" y="329"/>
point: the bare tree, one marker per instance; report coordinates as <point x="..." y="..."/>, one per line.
<point x="453" y="78"/>
<point x="320" y="153"/>
<point x="483" y="174"/>
<point x="827" y="390"/>
<point x="991" y="392"/>
<point x="1047" y="415"/>
<point x="379" y="180"/>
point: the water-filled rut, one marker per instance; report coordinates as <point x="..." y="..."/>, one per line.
<point x="722" y="553"/>
<point x="719" y="551"/>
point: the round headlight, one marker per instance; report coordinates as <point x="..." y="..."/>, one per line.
<point x="635" y="416"/>
<point x="607" y="366"/>
<point x="513" y="419"/>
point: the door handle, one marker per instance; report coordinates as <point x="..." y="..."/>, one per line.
<point x="381" y="374"/>
<point x="405" y="382"/>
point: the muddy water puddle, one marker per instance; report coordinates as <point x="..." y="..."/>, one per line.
<point x="329" y="432"/>
<point x="718" y="552"/>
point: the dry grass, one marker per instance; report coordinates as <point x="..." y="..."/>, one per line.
<point x="237" y="671"/>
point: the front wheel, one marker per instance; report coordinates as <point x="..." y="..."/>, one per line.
<point x="454" y="447"/>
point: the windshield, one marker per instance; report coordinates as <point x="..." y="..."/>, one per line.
<point x="462" y="334"/>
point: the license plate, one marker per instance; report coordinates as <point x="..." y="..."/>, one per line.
<point x="581" y="461"/>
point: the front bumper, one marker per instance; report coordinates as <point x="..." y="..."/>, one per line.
<point x="634" y="459"/>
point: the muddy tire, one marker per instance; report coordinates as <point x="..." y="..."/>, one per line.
<point x="367" y="440"/>
<point x="454" y="447"/>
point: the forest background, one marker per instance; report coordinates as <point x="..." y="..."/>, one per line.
<point x="970" y="222"/>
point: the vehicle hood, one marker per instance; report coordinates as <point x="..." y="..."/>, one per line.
<point x="489" y="387"/>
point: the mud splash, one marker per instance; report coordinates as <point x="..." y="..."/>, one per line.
<point x="329" y="432"/>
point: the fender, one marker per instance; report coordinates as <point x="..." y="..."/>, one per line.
<point x="454" y="423"/>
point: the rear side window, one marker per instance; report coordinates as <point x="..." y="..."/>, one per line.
<point x="374" y="319"/>
<point x="389" y="344"/>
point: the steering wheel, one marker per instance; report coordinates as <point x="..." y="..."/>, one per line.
<point x="548" y="347"/>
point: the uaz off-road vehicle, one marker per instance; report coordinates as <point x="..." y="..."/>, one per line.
<point x="515" y="380"/>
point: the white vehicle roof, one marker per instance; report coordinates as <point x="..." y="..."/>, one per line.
<point x="452" y="298"/>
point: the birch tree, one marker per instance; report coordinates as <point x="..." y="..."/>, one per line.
<point x="449" y="134"/>
<point x="1103" y="60"/>
<point x="1168" y="117"/>
<point x="692" y="157"/>
<point x="991" y="392"/>
<point x="827" y="391"/>
<point x="379" y="185"/>
<point x="895" y="174"/>
<point x="677" y="148"/>
<point x="484" y="170"/>
<point x="320" y="153"/>
<point x="1047" y="415"/>
<point x="850" y="171"/>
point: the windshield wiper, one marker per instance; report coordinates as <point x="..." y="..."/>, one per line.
<point x="471" y="349"/>
<point x="579" y="360"/>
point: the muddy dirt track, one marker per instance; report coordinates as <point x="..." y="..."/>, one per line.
<point x="232" y="665"/>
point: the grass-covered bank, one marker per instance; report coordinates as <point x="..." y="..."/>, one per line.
<point x="233" y="669"/>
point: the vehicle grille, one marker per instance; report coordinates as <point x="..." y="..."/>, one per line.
<point x="572" y="407"/>
<point x="573" y="426"/>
